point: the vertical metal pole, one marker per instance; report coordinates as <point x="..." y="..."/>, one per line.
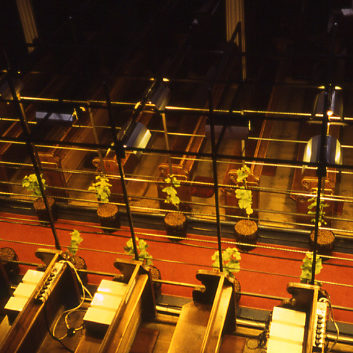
<point x="34" y="158"/>
<point x="121" y="170"/>
<point x="215" y="177"/>
<point x="321" y="174"/>
<point x="167" y="143"/>
<point x="96" y="140"/>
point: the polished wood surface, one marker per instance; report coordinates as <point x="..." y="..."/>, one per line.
<point x="256" y="170"/>
<point x="136" y="306"/>
<point x="203" y="321"/>
<point x="109" y="164"/>
<point x="5" y="289"/>
<point x="26" y="333"/>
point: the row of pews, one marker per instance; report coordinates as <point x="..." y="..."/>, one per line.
<point x="117" y="315"/>
<point x="114" y="317"/>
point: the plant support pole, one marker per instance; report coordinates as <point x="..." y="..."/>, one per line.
<point x="321" y="174"/>
<point x="121" y="170"/>
<point x="96" y="140"/>
<point x="167" y="143"/>
<point x="215" y="178"/>
<point x="34" y="158"/>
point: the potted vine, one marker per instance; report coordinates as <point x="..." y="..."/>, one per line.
<point x="175" y="221"/>
<point x="71" y="254"/>
<point x="147" y="259"/>
<point x="30" y="182"/>
<point x="245" y="229"/>
<point x="325" y="237"/>
<point x="307" y="267"/>
<point x="107" y="212"/>
<point x="231" y="265"/>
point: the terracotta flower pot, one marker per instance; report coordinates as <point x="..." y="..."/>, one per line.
<point x="246" y="232"/>
<point x="325" y="241"/>
<point x="108" y="217"/>
<point x="41" y="211"/>
<point x="175" y="224"/>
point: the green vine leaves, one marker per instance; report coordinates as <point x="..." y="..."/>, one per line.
<point x="75" y="242"/>
<point x="171" y="190"/>
<point x="30" y="182"/>
<point x="307" y="266"/>
<point x="143" y="254"/>
<point x="102" y="188"/>
<point x="230" y="259"/>
<point x="312" y="210"/>
<point x="243" y="195"/>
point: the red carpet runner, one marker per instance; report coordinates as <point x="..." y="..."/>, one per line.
<point x="264" y="271"/>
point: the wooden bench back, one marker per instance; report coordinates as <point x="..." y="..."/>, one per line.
<point x="186" y="163"/>
<point x="109" y="164"/>
<point x="183" y="170"/>
<point x="28" y="330"/>
<point x="256" y="169"/>
<point x="136" y="306"/>
<point x="202" y="322"/>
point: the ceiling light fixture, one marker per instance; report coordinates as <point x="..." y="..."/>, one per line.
<point x="334" y="103"/>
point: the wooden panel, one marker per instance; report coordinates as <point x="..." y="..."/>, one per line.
<point x="183" y="170"/>
<point x="136" y="306"/>
<point x="211" y="313"/>
<point x="256" y="170"/>
<point x="193" y="318"/>
<point x="28" y="330"/>
<point x="110" y="163"/>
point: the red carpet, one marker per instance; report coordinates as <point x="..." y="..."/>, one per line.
<point x="180" y="261"/>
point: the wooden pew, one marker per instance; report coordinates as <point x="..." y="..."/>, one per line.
<point x="293" y="327"/>
<point x="58" y="86"/>
<point x="5" y="288"/>
<point x="256" y="169"/>
<point x="60" y="159"/>
<point x="185" y="165"/>
<point x="203" y="321"/>
<point x="8" y="274"/>
<point x="305" y="181"/>
<point x="24" y="331"/>
<point x="110" y="164"/>
<point x="136" y="305"/>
